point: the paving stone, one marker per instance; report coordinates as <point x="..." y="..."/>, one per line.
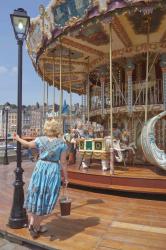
<point x="2" y="242"/>
<point x="7" y="245"/>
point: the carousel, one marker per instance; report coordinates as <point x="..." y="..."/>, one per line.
<point x="113" y="54"/>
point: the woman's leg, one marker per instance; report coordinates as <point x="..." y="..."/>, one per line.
<point x="34" y="225"/>
<point x="31" y="220"/>
<point x="37" y="221"/>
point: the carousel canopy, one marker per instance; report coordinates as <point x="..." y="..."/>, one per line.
<point x="72" y="38"/>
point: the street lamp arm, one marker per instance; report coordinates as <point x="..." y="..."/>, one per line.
<point x="28" y="144"/>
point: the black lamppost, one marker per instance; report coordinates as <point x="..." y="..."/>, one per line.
<point x="18" y="217"/>
<point x="5" y="160"/>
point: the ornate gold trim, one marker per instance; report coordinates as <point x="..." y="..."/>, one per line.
<point x="81" y="47"/>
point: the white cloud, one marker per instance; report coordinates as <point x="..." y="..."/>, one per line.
<point x="3" y="70"/>
<point x="14" y="70"/>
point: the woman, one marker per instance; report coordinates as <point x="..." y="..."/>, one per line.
<point x="44" y="186"/>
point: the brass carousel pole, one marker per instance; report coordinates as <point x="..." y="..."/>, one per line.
<point x="70" y="89"/>
<point x="44" y="92"/>
<point x="147" y="70"/>
<point x="41" y="113"/>
<point x="53" y="84"/>
<point x="47" y="97"/>
<point x="111" y="111"/>
<point x="88" y="92"/>
<point x="42" y="16"/>
<point x="60" y="83"/>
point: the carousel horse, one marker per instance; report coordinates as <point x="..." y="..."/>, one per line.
<point x="152" y="153"/>
<point x="120" y="150"/>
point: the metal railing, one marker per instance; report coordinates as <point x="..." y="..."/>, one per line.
<point x="120" y="95"/>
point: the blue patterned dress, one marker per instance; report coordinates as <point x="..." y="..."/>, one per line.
<point x="44" y="186"/>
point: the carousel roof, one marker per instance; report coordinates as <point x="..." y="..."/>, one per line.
<point x="78" y="34"/>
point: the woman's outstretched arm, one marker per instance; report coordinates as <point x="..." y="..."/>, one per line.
<point x="30" y="144"/>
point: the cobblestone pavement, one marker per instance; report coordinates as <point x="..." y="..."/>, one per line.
<point x="7" y="245"/>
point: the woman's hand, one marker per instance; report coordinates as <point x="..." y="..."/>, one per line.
<point x="65" y="181"/>
<point x="16" y="137"/>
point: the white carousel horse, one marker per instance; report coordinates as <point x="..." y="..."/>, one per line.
<point x="119" y="149"/>
<point x="152" y="153"/>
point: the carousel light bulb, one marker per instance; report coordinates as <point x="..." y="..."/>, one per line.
<point x="20" y="25"/>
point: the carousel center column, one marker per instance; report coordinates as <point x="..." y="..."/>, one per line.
<point x="129" y="71"/>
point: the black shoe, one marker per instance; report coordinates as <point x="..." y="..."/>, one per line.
<point x="33" y="232"/>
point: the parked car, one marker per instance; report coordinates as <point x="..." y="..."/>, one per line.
<point x="9" y="146"/>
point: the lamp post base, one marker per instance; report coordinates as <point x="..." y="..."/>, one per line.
<point x="17" y="223"/>
<point x="18" y="217"/>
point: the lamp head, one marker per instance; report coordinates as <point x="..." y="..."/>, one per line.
<point x="7" y="106"/>
<point x="20" y="22"/>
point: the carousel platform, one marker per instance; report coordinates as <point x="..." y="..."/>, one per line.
<point x="138" y="178"/>
<point x="98" y="221"/>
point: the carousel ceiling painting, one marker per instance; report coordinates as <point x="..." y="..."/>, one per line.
<point x="94" y="34"/>
<point x="77" y="35"/>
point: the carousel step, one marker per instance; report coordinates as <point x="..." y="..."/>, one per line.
<point x="118" y="187"/>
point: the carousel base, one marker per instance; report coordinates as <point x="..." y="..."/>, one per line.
<point x="137" y="179"/>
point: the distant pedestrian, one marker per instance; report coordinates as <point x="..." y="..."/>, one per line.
<point x="116" y="132"/>
<point x="45" y="182"/>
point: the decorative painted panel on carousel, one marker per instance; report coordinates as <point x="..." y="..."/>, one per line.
<point x="65" y="11"/>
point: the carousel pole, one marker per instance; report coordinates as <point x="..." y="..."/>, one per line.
<point x="60" y="83"/>
<point x="41" y="113"/>
<point x="82" y="103"/>
<point x="70" y="89"/>
<point x="42" y="16"/>
<point x="147" y="70"/>
<point x="44" y="92"/>
<point x="88" y="89"/>
<point x="53" y="84"/>
<point x="111" y="106"/>
<point x="129" y="70"/>
<point x="47" y="96"/>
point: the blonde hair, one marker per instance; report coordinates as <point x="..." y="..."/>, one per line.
<point x="53" y="128"/>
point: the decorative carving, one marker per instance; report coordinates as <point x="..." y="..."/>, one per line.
<point x="102" y="5"/>
<point x="35" y="37"/>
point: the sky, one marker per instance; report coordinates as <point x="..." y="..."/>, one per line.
<point x="32" y="84"/>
